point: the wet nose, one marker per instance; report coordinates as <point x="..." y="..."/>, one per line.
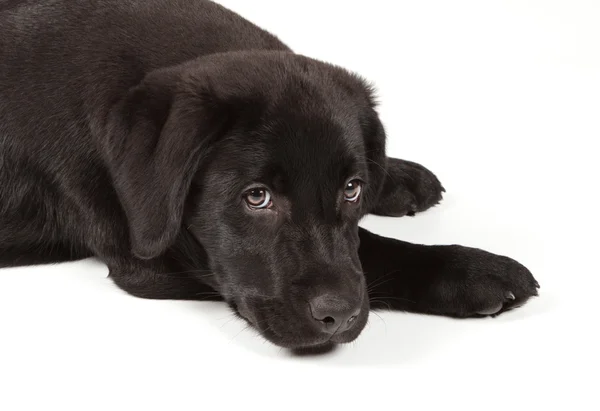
<point x="334" y="314"/>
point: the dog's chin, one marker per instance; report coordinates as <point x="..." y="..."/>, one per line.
<point x="292" y="331"/>
<point x="294" y="341"/>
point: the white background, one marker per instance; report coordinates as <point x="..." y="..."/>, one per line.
<point x="502" y="101"/>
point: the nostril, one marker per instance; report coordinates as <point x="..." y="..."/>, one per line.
<point x="334" y="314"/>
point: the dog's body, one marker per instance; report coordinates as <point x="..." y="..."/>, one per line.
<point x="64" y="64"/>
<point x="136" y="131"/>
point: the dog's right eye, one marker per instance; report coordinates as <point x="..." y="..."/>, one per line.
<point x="352" y="191"/>
<point x="258" y="198"/>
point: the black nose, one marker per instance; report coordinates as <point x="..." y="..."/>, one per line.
<point x="334" y="314"/>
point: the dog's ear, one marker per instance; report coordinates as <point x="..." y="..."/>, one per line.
<point x="158" y="134"/>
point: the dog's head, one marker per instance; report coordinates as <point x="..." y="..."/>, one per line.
<point x="269" y="159"/>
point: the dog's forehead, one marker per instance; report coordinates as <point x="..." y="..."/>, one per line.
<point x="304" y="147"/>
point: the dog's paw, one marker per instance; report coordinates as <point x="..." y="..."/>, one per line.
<point x="409" y="188"/>
<point x="423" y="184"/>
<point x="477" y="283"/>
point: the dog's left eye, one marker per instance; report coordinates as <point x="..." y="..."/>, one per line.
<point x="352" y="191"/>
<point x="258" y="198"/>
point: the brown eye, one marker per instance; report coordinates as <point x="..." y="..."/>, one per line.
<point x="258" y="198"/>
<point x="352" y="191"/>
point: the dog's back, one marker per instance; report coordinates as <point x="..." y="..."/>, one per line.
<point x="63" y="64"/>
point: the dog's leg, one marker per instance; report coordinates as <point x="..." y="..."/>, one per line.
<point x="447" y="280"/>
<point x="160" y="278"/>
<point x="409" y="188"/>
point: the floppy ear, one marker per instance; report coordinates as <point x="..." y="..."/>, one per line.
<point x="158" y="134"/>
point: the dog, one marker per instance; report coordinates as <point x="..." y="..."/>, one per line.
<point x="200" y="158"/>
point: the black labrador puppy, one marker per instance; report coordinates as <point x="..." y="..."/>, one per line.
<point x="199" y="157"/>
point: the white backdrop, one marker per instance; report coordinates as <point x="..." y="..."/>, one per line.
<point x="502" y="101"/>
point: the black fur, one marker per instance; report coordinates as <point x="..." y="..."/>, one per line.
<point x="131" y="129"/>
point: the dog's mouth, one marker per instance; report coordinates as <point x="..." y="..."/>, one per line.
<point x="295" y="328"/>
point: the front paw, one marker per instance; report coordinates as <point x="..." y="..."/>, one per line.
<point x="409" y="188"/>
<point x="477" y="283"/>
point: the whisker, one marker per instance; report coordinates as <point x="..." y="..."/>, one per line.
<point x="273" y="317"/>
<point x="209" y="293"/>
<point x="382" y="320"/>
<point x="242" y="330"/>
<point x="232" y="317"/>
<point x="375" y="301"/>
<point x="380" y="280"/>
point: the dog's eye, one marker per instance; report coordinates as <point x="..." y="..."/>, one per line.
<point x="352" y="191"/>
<point x="258" y="198"/>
